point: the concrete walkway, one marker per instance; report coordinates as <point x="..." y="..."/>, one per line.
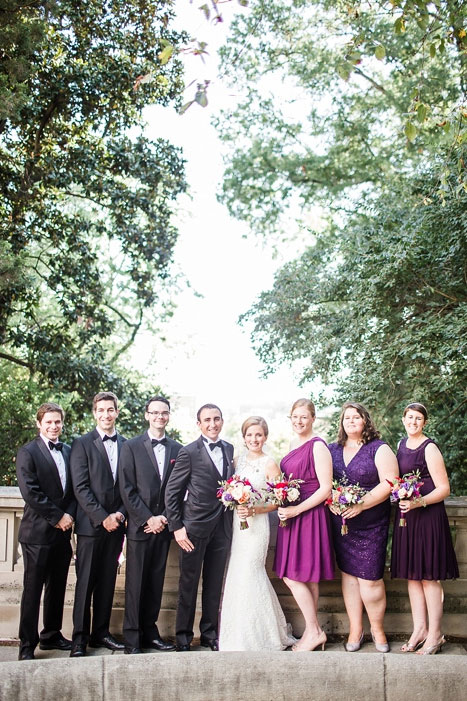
<point x="202" y="675"/>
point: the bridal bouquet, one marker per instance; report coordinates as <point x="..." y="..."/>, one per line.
<point x="238" y="491"/>
<point x="406" y="487"/>
<point x="283" y="490"/>
<point x="344" y="495"/>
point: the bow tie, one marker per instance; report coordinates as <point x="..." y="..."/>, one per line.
<point x="154" y="441"/>
<point x="109" y="438"/>
<point x="215" y="445"/>
<point x="56" y="446"/>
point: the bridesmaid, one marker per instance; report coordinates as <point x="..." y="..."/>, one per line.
<point x="359" y="456"/>
<point x="422" y="552"/>
<point x="304" y="549"/>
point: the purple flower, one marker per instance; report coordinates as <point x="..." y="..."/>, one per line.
<point x="228" y="497"/>
<point x="342" y="499"/>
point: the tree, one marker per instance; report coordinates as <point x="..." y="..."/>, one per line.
<point x="377" y="310"/>
<point x="339" y="98"/>
<point x="85" y="216"/>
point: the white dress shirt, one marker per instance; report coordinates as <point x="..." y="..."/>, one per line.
<point x="159" y="452"/>
<point x="112" y="451"/>
<point x="216" y="454"/>
<point x="58" y="459"/>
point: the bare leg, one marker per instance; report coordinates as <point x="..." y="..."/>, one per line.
<point x="353" y="605"/>
<point x="419" y="613"/>
<point x="373" y="595"/>
<point x="306" y="596"/>
<point x="434" y="596"/>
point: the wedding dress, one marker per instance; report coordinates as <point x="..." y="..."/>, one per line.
<point x="251" y="616"/>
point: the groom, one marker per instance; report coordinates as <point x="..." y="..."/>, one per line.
<point x="202" y="528"/>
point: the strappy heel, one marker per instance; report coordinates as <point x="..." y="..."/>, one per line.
<point x="434" y="649"/>
<point x="409" y="647"/>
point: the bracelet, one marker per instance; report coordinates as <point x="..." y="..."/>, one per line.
<point x="253" y="511"/>
<point x="424" y="504"/>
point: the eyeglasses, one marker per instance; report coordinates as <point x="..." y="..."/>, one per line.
<point x="162" y="414"/>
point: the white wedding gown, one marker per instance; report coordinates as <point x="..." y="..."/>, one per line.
<point x="251" y="616"/>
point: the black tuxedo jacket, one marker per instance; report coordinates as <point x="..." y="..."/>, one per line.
<point x="96" y="493"/>
<point x="190" y="496"/>
<point x="41" y="489"/>
<point x="141" y="487"/>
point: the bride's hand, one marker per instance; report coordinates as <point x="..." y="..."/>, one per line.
<point x="243" y="511"/>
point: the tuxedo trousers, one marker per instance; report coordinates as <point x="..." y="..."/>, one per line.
<point x="208" y="559"/>
<point x="45" y="567"/>
<point x="144" y="580"/>
<point x="96" y="572"/>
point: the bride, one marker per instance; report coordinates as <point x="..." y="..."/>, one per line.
<point x="251" y="616"/>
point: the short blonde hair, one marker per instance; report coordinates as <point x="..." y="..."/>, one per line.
<point x="255" y="421"/>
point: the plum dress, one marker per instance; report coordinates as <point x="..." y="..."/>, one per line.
<point x="304" y="546"/>
<point x="423" y="548"/>
<point x="362" y="552"/>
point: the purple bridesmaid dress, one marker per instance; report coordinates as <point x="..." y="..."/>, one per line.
<point x="304" y="547"/>
<point x="423" y="548"/>
<point x="362" y="552"/>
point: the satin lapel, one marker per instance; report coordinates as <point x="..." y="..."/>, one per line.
<point x="230" y="467"/>
<point x="99" y="443"/>
<point x="169" y="455"/>
<point x="206" y="460"/>
<point x="51" y="462"/>
<point x="152" y="457"/>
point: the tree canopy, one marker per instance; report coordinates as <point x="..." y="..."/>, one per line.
<point x="359" y="110"/>
<point x="86" y="236"/>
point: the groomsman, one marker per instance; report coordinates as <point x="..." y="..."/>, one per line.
<point x="43" y="471"/>
<point x="146" y="463"/>
<point x="99" y="526"/>
<point x="201" y="525"/>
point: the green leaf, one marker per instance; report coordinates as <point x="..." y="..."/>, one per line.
<point x="422" y="111"/>
<point x="166" y="54"/>
<point x="204" y="8"/>
<point x="432" y="50"/>
<point x="380" y="52"/>
<point x="185" y="107"/>
<point x="410" y="131"/>
<point x="399" y="25"/>
<point x="201" y="98"/>
<point x="344" y="71"/>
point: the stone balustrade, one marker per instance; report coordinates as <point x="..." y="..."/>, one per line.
<point x="331" y="608"/>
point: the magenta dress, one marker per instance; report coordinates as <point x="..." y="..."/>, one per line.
<point x="304" y="547"/>
<point x="423" y="548"/>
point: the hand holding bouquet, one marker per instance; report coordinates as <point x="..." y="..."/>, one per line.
<point x="342" y="496"/>
<point x="406" y="487"/>
<point x="238" y="491"/>
<point x="283" y="490"/>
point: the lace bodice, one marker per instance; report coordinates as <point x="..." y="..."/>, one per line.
<point x="253" y="470"/>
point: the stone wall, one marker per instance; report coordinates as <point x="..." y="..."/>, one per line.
<point x="332" y="612"/>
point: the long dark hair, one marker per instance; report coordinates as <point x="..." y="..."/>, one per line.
<point x="369" y="430"/>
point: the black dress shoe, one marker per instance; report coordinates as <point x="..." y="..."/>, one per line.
<point x="183" y="648"/>
<point x="212" y="643"/>
<point x="159" y="644"/>
<point x="133" y="651"/>
<point x="107" y="641"/>
<point x="78" y="650"/>
<point x="26" y="653"/>
<point x="60" y="643"/>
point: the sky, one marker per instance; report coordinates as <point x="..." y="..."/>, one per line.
<point x="207" y="356"/>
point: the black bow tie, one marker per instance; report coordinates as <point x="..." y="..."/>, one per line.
<point x="56" y="446"/>
<point x="215" y="445"/>
<point x="154" y="441"/>
<point x="110" y="438"/>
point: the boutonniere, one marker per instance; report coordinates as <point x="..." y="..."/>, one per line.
<point x="172" y="462"/>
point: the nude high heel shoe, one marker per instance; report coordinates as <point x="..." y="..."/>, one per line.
<point x="433" y="649"/>
<point x="408" y="647"/>
<point x="381" y="647"/>
<point x="353" y="647"/>
<point x="320" y="640"/>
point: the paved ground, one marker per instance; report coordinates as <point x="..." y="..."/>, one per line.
<point x="9" y="652"/>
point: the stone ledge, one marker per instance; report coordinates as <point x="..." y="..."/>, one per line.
<point x="238" y="676"/>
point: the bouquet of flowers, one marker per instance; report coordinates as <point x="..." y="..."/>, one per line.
<point x="283" y="490"/>
<point x="406" y="487"/>
<point x="238" y="491"/>
<point x="342" y="496"/>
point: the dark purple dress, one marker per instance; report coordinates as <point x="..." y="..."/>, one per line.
<point x="423" y="548"/>
<point x="304" y="546"/>
<point x="362" y="552"/>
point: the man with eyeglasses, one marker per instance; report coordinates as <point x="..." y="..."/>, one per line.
<point x="145" y="466"/>
<point x="100" y="528"/>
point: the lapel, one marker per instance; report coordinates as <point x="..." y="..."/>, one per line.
<point x="52" y="464"/>
<point x="99" y="443"/>
<point x="230" y="468"/>
<point x="207" y="460"/>
<point x="152" y="457"/>
<point x="169" y="452"/>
